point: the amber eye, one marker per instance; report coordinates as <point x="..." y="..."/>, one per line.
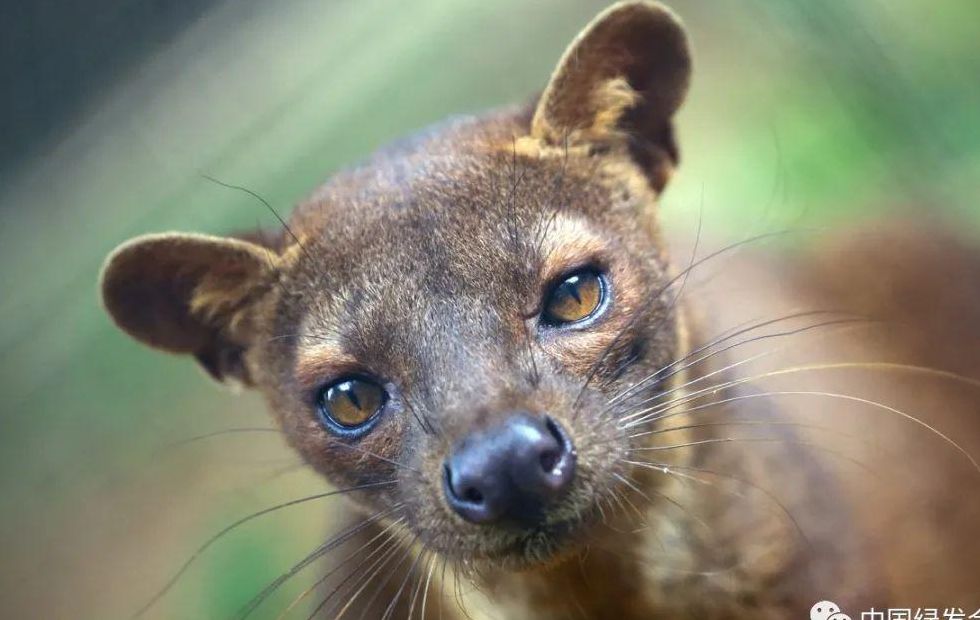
<point x="351" y="402"/>
<point x="575" y="298"/>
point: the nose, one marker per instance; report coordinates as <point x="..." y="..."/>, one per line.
<point x="510" y="471"/>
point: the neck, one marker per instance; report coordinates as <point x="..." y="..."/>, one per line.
<point x="607" y="580"/>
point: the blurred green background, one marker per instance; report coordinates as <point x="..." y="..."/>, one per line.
<point x="824" y="112"/>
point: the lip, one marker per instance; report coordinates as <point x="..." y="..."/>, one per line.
<point x="539" y="544"/>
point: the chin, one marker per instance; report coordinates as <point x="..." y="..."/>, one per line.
<point x="550" y="542"/>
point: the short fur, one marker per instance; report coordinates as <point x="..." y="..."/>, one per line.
<point x="425" y="267"/>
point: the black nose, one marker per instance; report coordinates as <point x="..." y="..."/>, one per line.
<point x="510" y="471"/>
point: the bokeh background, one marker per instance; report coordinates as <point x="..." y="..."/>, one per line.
<point x="824" y="112"/>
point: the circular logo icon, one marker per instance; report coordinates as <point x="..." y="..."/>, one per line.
<point x="827" y="610"/>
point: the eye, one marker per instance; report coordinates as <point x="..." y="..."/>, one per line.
<point x="575" y="298"/>
<point x="350" y="403"/>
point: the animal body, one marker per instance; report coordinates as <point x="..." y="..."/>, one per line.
<point x="482" y="337"/>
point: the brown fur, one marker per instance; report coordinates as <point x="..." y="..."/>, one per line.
<point x="425" y="267"/>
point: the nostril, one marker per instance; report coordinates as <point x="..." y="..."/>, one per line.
<point x="557" y="460"/>
<point x="448" y="473"/>
<point x="473" y="495"/>
<point x="549" y="459"/>
<point x="552" y="427"/>
<point x="469" y="494"/>
<point x="512" y="470"/>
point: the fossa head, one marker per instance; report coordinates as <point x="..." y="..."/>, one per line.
<point x="449" y="322"/>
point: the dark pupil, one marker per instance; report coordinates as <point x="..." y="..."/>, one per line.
<point x="352" y="402"/>
<point x="570" y="288"/>
<point x="347" y="389"/>
<point x="574" y="299"/>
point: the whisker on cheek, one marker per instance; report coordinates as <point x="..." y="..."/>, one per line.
<point x="240" y="522"/>
<point x="258" y="430"/>
<point x="658" y="413"/>
<point x="750" y="440"/>
<point x="374" y="455"/>
<point x="313" y="556"/>
<point x="661" y="376"/>
<point x="685" y="427"/>
<point x="425" y="575"/>
<point x="425" y="593"/>
<point x="353" y="577"/>
<point x="406" y="549"/>
<point x="390" y="609"/>
<point x="679" y="471"/>
<point x="388" y="539"/>
<point x="362" y="580"/>
<point x="656" y="294"/>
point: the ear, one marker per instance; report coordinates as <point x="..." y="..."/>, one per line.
<point x="191" y="294"/>
<point x="621" y="81"/>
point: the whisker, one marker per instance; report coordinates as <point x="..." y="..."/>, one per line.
<point x="242" y="521"/>
<point x="369" y="577"/>
<point x="269" y="207"/>
<point x="864" y="366"/>
<point x="936" y="372"/>
<point x="617" y="497"/>
<point x="317" y="553"/>
<point x="673" y="470"/>
<point x="676" y="504"/>
<point x="680" y="291"/>
<point x="637" y="490"/>
<point x="707" y="356"/>
<point x="557" y="197"/>
<point x="844" y="365"/>
<point x="636" y="317"/>
<point x="319" y="582"/>
<point x="423" y="421"/>
<point x="390" y="609"/>
<point x="711" y="389"/>
<point x="227" y="431"/>
<point x="458" y="594"/>
<point x="376" y="456"/>
<point x="425" y="593"/>
<point x="417" y="590"/>
<point x="388" y="546"/>
<point x="442" y="585"/>
<point x="847" y="397"/>
<point x="779" y="440"/>
<point x="686" y="427"/>
<point x="738" y="330"/>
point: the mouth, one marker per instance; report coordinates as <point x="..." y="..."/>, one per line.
<point x="526" y="494"/>
<point x="524" y="545"/>
<point x="548" y="543"/>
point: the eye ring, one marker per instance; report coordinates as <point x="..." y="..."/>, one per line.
<point x="575" y="299"/>
<point x="351" y="405"/>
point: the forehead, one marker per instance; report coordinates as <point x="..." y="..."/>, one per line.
<point x="439" y="222"/>
<point x="426" y="246"/>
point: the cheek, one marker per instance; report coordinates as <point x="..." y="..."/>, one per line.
<point x="350" y="461"/>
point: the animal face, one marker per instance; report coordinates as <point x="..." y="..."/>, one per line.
<point x="456" y="326"/>
<point x="425" y="327"/>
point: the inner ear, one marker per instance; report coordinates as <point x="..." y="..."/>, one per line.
<point x="189" y="294"/>
<point x="621" y="80"/>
